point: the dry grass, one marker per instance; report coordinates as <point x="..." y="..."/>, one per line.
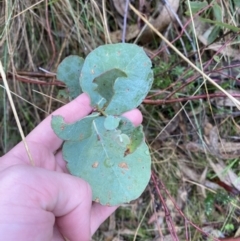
<point x="192" y="141"/>
<point x="34" y="36"/>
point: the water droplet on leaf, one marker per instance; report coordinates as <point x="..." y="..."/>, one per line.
<point x="108" y="162"/>
<point x="147" y="152"/>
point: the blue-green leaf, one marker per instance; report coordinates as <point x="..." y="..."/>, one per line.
<point x="104" y="148"/>
<point x="75" y="132"/>
<point x="127" y="87"/>
<point x="115" y="178"/>
<point x="111" y="122"/>
<point x="68" y="72"/>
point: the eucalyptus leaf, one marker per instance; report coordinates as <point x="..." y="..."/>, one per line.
<point x="124" y="139"/>
<point x="104" y="148"/>
<point x="77" y="131"/>
<point x="136" y="138"/>
<point x="99" y="160"/>
<point x="68" y="72"/>
<point x="130" y="84"/>
<point x="111" y="122"/>
<point x="136" y="135"/>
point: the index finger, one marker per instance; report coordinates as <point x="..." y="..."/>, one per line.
<point x="73" y="111"/>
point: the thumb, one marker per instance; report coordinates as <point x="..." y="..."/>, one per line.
<point x="38" y="197"/>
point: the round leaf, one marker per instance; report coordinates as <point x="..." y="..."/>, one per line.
<point x="128" y="77"/>
<point x="68" y="72"/>
<point x="111" y="122"/>
<point x="115" y="178"/>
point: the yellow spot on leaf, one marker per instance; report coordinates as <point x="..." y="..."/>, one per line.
<point x="95" y="164"/>
<point x="123" y="165"/>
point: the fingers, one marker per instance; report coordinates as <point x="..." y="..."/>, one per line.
<point x="41" y="155"/>
<point x="73" y="111"/>
<point x="44" y="138"/>
<point x="99" y="214"/>
<point x="135" y="116"/>
<point x="42" y="141"/>
<point x="38" y="196"/>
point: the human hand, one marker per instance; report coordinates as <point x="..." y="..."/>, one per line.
<point x="43" y="202"/>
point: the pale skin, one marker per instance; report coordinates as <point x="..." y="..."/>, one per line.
<point x="45" y="202"/>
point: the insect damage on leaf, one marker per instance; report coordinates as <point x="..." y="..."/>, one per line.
<point x="128" y="74"/>
<point x="105" y="84"/>
<point x="104" y="148"/>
